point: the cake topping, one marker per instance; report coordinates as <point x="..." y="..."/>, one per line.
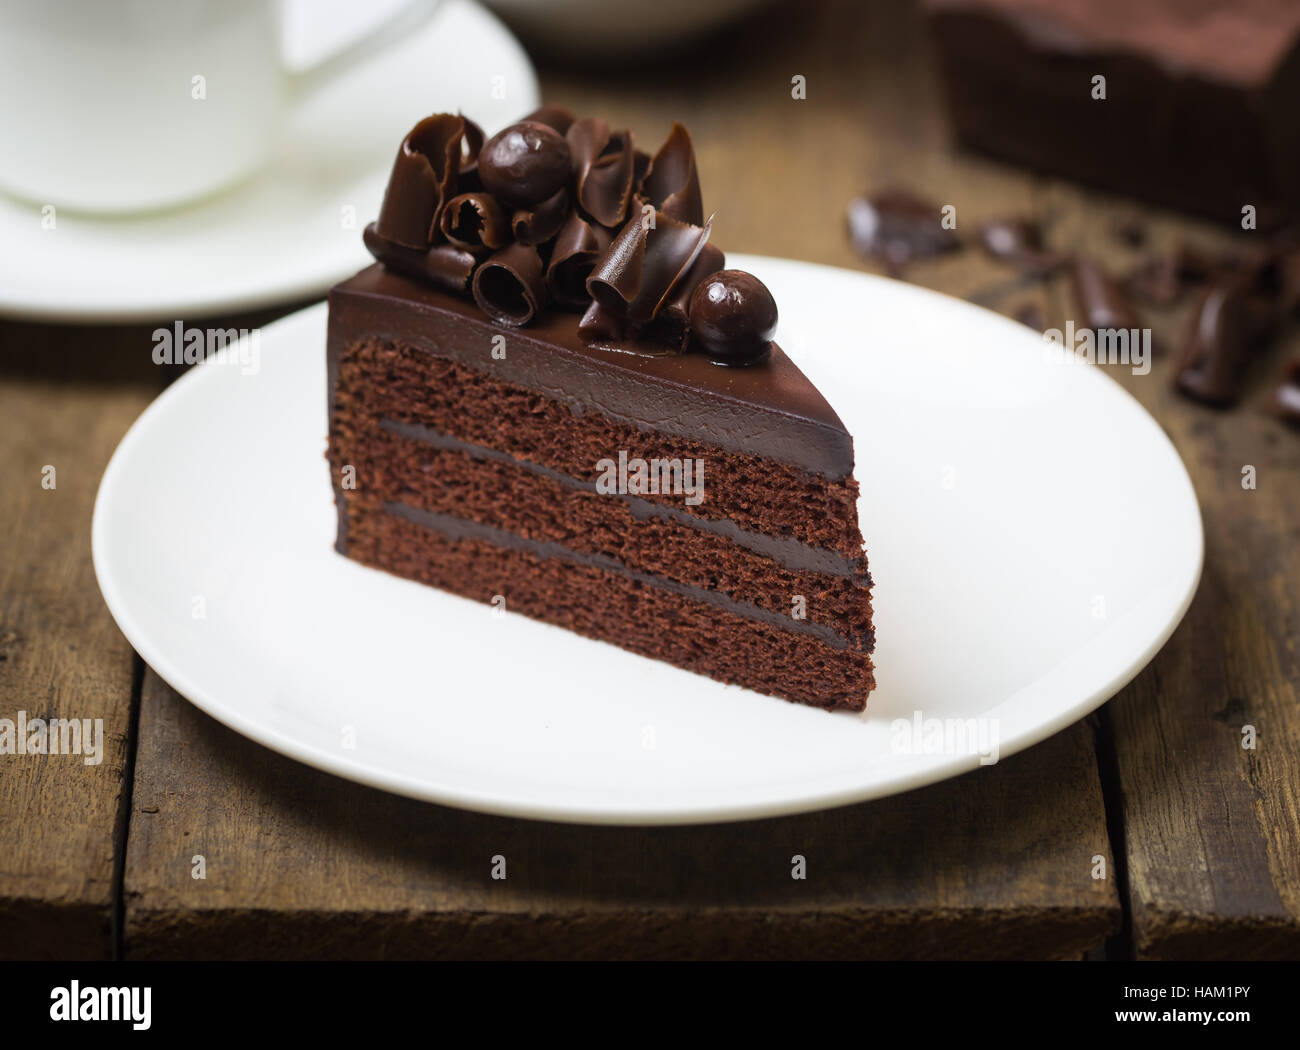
<point x="525" y="164"/>
<point x="733" y="317"/>
<point x="568" y="211"/>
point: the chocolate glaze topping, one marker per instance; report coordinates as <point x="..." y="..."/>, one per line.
<point x="565" y="210"/>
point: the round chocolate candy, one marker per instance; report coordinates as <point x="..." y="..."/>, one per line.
<point x="524" y="164"/>
<point x="733" y="317"/>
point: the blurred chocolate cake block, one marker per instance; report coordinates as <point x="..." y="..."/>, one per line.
<point x="1200" y="101"/>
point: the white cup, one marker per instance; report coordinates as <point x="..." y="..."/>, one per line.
<point x="114" y="106"/>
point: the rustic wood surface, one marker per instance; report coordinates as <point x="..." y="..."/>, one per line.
<point x="995" y="864"/>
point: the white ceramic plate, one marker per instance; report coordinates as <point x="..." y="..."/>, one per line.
<point x="284" y="234"/>
<point x="1033" y="535"/>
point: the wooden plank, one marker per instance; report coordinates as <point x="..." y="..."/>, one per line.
<point x="299" y="864"/>
<point x="65" y="401"/>
<point x="1212" y="829"/>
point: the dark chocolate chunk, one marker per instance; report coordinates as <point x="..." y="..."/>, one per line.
<point x="525" y="163"/>
<point x="509" y="286"/>
<point x="474" y="221"/>
<point x="897" y="227"/>
<point x="733" y="317"/>
<point x="1228" y="324"/>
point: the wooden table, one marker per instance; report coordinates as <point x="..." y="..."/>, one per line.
<point x="1201" y="838"/>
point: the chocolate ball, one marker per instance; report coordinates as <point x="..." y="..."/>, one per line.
<point x="733" y="317"/>
<point x="524" y="164"/>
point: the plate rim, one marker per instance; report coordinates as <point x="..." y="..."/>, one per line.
<point x="806" y="799"/>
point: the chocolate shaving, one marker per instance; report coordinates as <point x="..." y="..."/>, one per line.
<point x="576" y="250"/>
<point x="509" y="286"/>
<point x="604" y="164"/>
<point x="553" y="116"/>
<point x="474" y="221"/>
<point x="599" y="325"/>
<point x="541" y="222"/>
<point x="1099" y="297"/>
<point x="672" y="184"/>
<point x="445" y="265"/>
<point x="423" y="179"/>
<point x="1286" y="398"/>
<point x="639" y="269"/>
<point x="1218" y="345"/>
<point x="470" y="147"/>
<point x="675" y="315"/>
<point x="897" y="227"/>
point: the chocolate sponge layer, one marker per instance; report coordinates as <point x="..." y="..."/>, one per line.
<point x="614" y="608"/>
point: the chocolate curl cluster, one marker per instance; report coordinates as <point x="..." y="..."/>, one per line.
<point x="624" y="240"/>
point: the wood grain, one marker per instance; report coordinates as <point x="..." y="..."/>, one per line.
<point x="299" y="864"/>
<point x="65" y="402"/>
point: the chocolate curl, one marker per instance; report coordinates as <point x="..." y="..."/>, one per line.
<point x="474" y="221"/>
<point x="672" y="183"/>
<point x="445" y="265"/>
<point x="423" y="179"/>
<point x="538" y="224"/>
<point x="604" y="165"/>
<point x="473" y="142"/>
<point x="576" y="250"/>
<point x="599" y="325"/>
<point x="675" y="315"/>
<point x="553" y="116"/>
<point x="638" y="270"/>
<point x="509" y="286"/>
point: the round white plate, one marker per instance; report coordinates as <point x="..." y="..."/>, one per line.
<point x="1033" y="535"/>
<point x="286" y="233"/>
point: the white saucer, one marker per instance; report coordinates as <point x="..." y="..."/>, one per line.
<point x="1033" y="535"/>
<point x="282" y="235"/>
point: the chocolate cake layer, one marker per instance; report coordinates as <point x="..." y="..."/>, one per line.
<point x="569" y="516"/>
<point x="614" y="607"/>
<point x="767" y="409"/>
<point x="383" y="380"/>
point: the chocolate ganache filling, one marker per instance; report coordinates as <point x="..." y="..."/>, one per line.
<point x="556" y="211"/>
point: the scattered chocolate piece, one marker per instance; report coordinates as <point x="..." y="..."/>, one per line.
<point x="1018" y="241"/>
<point x="733" y="317"/>
<point x="1286" y="398"/>
<point x="1164" y="278"/>
<point x="525" y="163"/>
<point x="1099" y="297"/>
<point x="897" y="227"/>
<point x="474" y="221"/>
<point x="1228" y="324"/>
<point x="509" y="286"/>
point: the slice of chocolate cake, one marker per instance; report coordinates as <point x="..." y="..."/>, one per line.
<point x="550" y="395"/>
